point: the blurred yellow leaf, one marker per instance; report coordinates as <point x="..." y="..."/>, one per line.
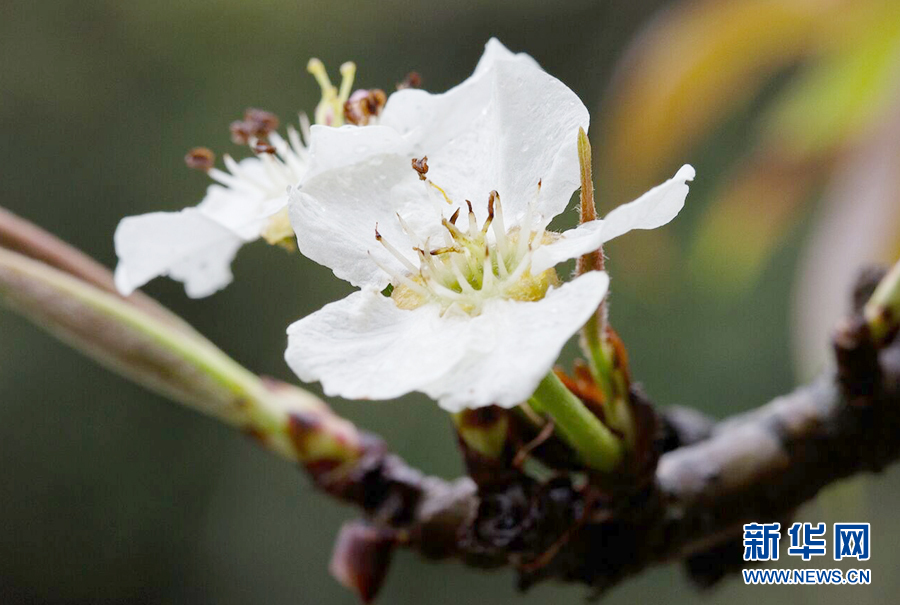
<point x="754" y="210"/>
<point x="842" y="96"/>
<point x="694" y="65"/>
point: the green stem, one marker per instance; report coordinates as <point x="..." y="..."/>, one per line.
<point x="882" y="312"/>
<point x="597" y="446"/>
<point x="179" y="363"/>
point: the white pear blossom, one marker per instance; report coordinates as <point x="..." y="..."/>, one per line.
<point x="476" y="314"/>
<point x="247" y="201"/>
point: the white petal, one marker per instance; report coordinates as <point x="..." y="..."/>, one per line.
<point x="506" y="128"/>
<point x="573" y="243"/>
<point x="364" y="347"/>
<point x="514" y="344"/>
<point x="244" y="214"/>
<point x="335" y="210"/>
<point x="333" y="149"/>
<point x="653" y="209"/>
<point x="187" y="246"/>
<point x="494" y="51"/>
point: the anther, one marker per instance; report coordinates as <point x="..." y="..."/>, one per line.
<point x="263" y="121"/>
<point x="241" y="132"/>
<point x="412" y="80"/>
<point x="364" y="105"/>
<point x="455" y="216"/>
<point x="495" y="209"/>
<point x="200" y="158"/>
<point x="455" y="233"/>
<point x="261" y="147"/>
<point x="421" y="167"/>
<point x="473" y="224"/>
<point x="257" y="124"/>
<point x="445" y="250"/>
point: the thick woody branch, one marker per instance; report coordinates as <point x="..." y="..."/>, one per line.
<point x="709" y="480"/>
<point x="753" y="468"/>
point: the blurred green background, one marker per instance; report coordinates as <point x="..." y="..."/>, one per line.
<point x="110" y="494"/>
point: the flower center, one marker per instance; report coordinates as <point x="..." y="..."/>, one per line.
<point x="469" y="265"/>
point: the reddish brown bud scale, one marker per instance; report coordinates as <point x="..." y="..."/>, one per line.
<point x="301" y="428"/>
<point x="481" y="417"/>
<point x="361" y="558"/>
<point x="620" y="353"/>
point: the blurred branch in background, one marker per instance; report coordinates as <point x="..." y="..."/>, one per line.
<point x="829" y="73"/>
<point x="759" y="467"/>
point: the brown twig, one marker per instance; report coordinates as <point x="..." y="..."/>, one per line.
<point x="27" y="239"/>
<point x="709" y="482"/>
<point x="753" y="468"/>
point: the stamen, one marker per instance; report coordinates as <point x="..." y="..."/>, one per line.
<point x="473" y="224"/>
<point x="262" y="122"/>
<point x="364" y="105"/>
<point x="200" y="158"/>
<point x="247" y="181"/>
<point x="261" y="147"/>
<point x="461" y="280"/>
<point x="409" y="231"/>
<point x="295" y="141"/>
<point x="487" y="280"/>
<point x="412" y="80"/>
<point x="282" y="163"/>
<point x="305" y="127"/>
<point x="445" y="291"/>
<point x="446" y="250"/>
<point x="286" y="153"/>
<point x="454" y="231"/>
<point x="421" y="167"/>
<point x="524" y="233"/>
<point x="437" y="269"/>
<point x="402" y="279"/>
<point x="499" y="231"/>
<point x="524" y="265"/>
<point x="490" y="218"/>
<point x="396" y="253"/>
<point x="444" y="193"/>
